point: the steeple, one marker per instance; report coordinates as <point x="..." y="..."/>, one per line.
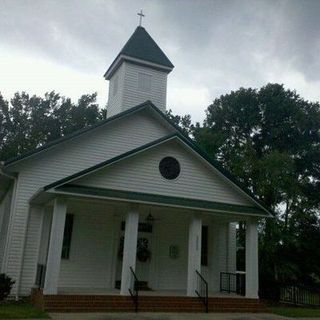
<point x="138" y="73"/>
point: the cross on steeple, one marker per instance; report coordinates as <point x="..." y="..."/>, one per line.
<point x="141" y="16"/>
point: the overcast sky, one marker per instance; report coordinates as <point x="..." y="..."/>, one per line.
<point x="216" y="46"/>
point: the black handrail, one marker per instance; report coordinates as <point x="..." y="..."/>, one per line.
<point x="134" y="290"/>
<point x="203" y="290"/>
<point x="232" y="282"/>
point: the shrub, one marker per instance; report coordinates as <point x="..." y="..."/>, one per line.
<point x="6" y="284"/>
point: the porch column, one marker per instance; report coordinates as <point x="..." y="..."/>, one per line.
<point x="194" y="254"/>
<point x="252" y="274"/>
<point x="129" y="248"/>
<point x="45" y="233"/>
<point x="55" y="247"/>
<point x="232" y="247"/>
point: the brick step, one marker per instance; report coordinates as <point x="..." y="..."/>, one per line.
<point x="117" y="303"/>
<point x="155" y="309"/>
<point x="153" y="301"/>
<point x="131" y="309"/>
<point x="145" y="303"/>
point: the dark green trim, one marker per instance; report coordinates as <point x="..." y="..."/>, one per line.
<point x="109" y="162"/>
<point x="223" y="171"/>
<point x="82" y="131"/>
<point x="180" y="134"/>
<point x="158" y="199"/>
<point x="185" y="140"/>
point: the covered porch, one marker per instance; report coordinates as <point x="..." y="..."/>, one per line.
<point x="96" y="245"/>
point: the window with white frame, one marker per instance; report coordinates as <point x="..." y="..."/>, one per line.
<point x="144" y="82"/>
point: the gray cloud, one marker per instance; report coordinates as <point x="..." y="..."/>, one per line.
<point x="216" y="45"/>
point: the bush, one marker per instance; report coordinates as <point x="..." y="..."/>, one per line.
<point x="6" y="284"/>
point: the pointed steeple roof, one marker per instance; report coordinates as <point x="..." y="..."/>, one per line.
<point x="141" y="46"/>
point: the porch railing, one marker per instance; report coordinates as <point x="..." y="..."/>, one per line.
<point x="299" y="295"/>
<point x="232" y="282"/>
<point x="40" y="275"/>
<point x="202" y="290"/>
<point x="134" y="289"/>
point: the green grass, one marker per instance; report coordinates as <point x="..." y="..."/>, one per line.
<point x="21" y="310"/>
<point x="295" y="312"/>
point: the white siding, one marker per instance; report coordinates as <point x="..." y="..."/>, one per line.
<point x="32" y="243"/>
<point x="115" y="100"/>
<point x="218" y="258"/>
<point x="4" y="222"/>
<point x="129" y="95"/>
<point x="64" y="159"/>
<point x="132" y="96"/>
<point x="91" y="251"/>
<point x="141" y="174"/>
<point x="171" y="274"/>
<point x="95" y="244"/>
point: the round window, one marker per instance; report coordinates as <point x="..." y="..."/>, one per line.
<point x="169" y="168"/>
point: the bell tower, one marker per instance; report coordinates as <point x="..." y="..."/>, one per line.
<point x="138" y="73"/>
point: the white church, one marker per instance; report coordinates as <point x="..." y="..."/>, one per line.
<point x="116" y="215"/>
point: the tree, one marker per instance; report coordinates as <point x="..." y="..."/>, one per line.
<point x="183" y="122"/>
<point x="28" y="122"/>
<point x="269" y="138"/>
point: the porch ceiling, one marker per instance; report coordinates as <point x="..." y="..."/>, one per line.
<point x="146" y="198"/>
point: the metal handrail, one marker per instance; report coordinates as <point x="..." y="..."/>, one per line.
<point x="134" y="292"/>
<point x="203" y="297"/>
<point x="232" y="282"/>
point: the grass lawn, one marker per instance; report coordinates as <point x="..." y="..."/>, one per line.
<point x="295" y="312"/>
<point x="21" y="310"/>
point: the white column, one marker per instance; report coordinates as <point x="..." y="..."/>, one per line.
<point x="55" y="247"/>
<point x="214" y="262"/>
<point x="232" y="247"/>
<point x="252" y="274"/>
<point x="129" y="249"/>
<point x="45" y="234"/>
<point x="194" y="254"/>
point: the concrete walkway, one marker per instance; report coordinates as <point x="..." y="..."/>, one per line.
<point x="166" y="316"/>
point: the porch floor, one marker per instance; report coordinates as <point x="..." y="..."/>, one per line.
<point x="157" y="293"/>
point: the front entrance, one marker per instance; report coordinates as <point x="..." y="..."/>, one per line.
<point x="144" y="255"/>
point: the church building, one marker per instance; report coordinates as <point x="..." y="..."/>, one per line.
<point x="118" y="214"/>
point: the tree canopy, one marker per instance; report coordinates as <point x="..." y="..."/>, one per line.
<point x="27" y="122"/>
<point x="270" y="139"/>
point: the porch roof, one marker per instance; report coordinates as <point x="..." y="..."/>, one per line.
<point x="147" y="198"/>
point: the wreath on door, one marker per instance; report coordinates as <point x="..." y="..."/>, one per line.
<point x="143" y="252"/>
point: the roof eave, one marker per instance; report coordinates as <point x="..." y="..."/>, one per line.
<point x="121" y="58"/>
<point x="53" y="143"/>
<point x="146" y="198"/>
<point x="152" y="144"/>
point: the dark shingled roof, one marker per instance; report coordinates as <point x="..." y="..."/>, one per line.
<point x="142" y="46"/>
